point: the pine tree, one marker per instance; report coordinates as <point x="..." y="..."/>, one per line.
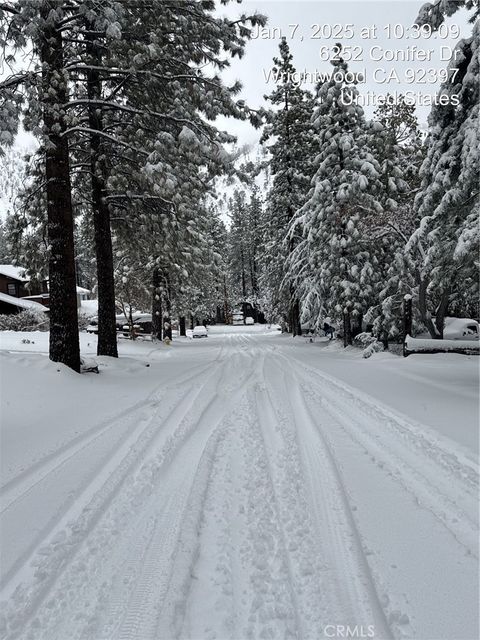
<point x="397" y="145"/>
<point x="331" y="264"/>
<point x="136" y="95"/>
<point x="46" y="91"/>
<point x="448" y="202"/>
<point x="291" y="169"/>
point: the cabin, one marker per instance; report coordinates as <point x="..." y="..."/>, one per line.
<point x="15" y="286"/>
<point x="13" y="281"/>
<point x="14" y="290"/>
<point x="44" y="298"/>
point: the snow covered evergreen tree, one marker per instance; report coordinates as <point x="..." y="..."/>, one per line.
<point x="448" y="203"/>
<point x="42" y="91"/>
<point x="331" y="262"/>
<point x="398" y="147"/>
<point x="131" y="96"/>
<point x="291" y="168"/>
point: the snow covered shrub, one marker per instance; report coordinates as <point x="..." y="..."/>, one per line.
<point x="28" y="320"/>
<point x="370" y="343"/>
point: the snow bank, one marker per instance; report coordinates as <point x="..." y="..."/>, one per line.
<point x="414" y="345"/>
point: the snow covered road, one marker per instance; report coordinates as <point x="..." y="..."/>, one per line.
<point x="245" y="494"/>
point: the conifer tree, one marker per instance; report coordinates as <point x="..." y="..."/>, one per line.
<point x="291" y="168"/>
<point x="44" y="91"/>
<point x="332" y="258"/>
<point x="448" y="203"/>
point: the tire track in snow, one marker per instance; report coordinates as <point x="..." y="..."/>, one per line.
<point x="74" y="530"/>
<point x="440" y="481"/>
<point x="291" y="514"/>
<point x="216" y="421"/>
<point x="408" y="569"/>
<point x="70" y="601"/>
<point x="54" y="459"/>
<point x="130" y="424"/>
<point x="356" y="601"/>
<point x="241" y="586"/>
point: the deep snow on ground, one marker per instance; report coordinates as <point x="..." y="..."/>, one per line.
<point x="245" y="485"/>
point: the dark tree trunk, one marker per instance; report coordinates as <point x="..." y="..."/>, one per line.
<point x="167" y="303"/>
<point x="385" y="340"/>
<point x="107" y="332"/>
<point x="407" y="316"/>
<point x="347" y="329"/>
<point x="156" y="305"/>
<point x="191" y="321"/>
<point x="295" y="318"/>
<point x="422" y="306"/>
<point x="357" y="325"/>
<point x="182" y="326"/>
<point x="294" y="314"/>
<point x="225" y="299"/>
<point x="64" y="340"/>
<point x="442" y="312"/>
<point x="244" y="279"/>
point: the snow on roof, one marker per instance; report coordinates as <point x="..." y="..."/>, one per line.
<point x="17" y="273"/>
<point x="21" y="302"/>
<point x="83" y="290"/>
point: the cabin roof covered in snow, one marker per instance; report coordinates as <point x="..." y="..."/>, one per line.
<point x="10" y="271"/>
<point x="21" y="302"/>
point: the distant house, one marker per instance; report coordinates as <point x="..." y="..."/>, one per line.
<point x="14" y="290"/>
<point x="13" y="281"/>
<point x="44" y="298"/>
<point x="17" y="292"/>
<point x="10" y="304"/>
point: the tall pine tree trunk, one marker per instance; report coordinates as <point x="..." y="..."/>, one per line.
<point x="225" y="299"/>
<point x="156" y="305"/>
<point x="294" y="314"/>
<point x="64" y="340"/>
<point x="107" y="331"/>
<point x="422" y="306"/>
<point x="347" y="329"/>
<point x="442" y="312"/>
<point x="167" y="320"/>
<point x="297" y="327"/>
<point x="182" y="326"/>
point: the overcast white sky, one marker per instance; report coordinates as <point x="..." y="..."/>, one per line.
<point x="361" y="13"/>
<point x="305" y="13"/>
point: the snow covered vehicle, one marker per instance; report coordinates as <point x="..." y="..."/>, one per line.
<point x="141" y="321"/>
<point x="93" y="326"/>
<point x="237" y="317"/>
<point x="200" y="332"/>
<point x="460" y="329"/>
<point x="249" y="320"/>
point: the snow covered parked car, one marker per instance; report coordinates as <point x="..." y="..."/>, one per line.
<point x="249" y="320"/>
<point x="200" y="332"/>
<point x="460" y="329"/>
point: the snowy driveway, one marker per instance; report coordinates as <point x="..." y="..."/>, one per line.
<point x="245" y="494"/>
